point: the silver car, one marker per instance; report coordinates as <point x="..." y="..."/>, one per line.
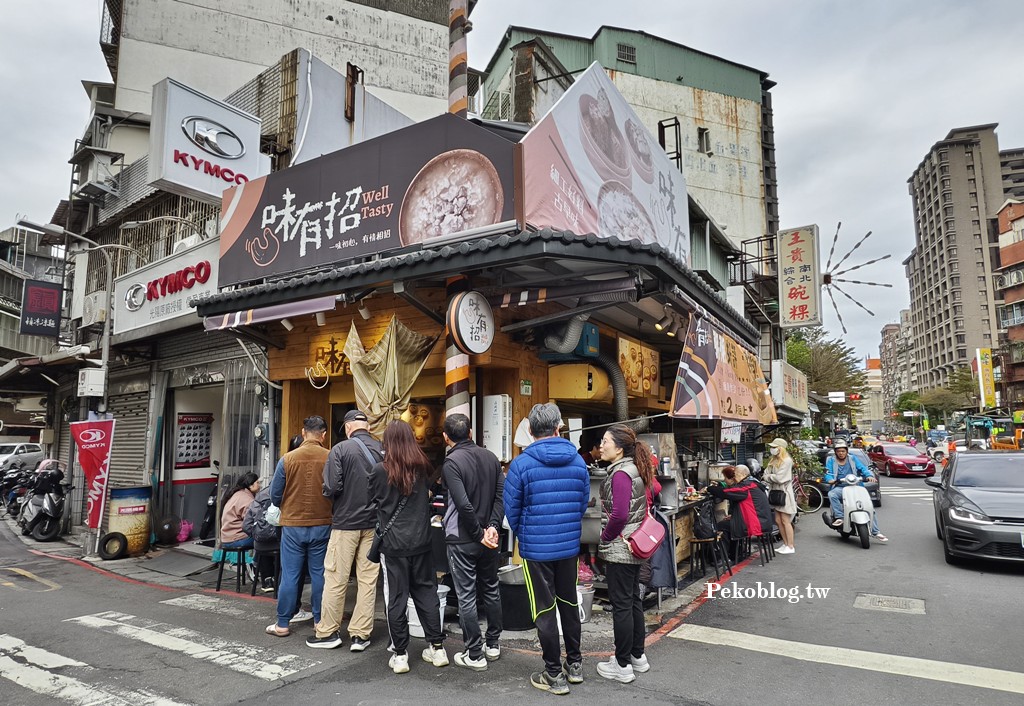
<point x="20" y="455"/>
<point x="979" y="506"/>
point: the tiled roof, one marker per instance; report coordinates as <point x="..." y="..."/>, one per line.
<point x="483" y="252"/>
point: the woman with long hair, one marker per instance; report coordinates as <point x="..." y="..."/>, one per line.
<point x="623" y="508"/>
<point x="779" y="475"/>
<point x="400" y="488"/>
<point x="237" y="501"/>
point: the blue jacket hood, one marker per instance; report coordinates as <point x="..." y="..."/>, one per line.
<point x="553" y="451"/>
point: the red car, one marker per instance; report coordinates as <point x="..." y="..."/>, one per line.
<point x="901" y="460"/>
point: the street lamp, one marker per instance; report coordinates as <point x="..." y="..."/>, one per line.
<point x="131" y="225"/>
<point x="56" y="230"/>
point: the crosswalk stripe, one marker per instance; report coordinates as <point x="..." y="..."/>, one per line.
<point x="951" y="672"/>
<point x="31" y="672"/>
<point x="241" y="657"/>
<point x="208" y="604"/>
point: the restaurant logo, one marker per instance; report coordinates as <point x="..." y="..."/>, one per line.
<point x="212" y="137"/>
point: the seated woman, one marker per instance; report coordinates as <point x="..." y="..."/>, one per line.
<point x="746" y="517"/>
<point x="235" y="505"/>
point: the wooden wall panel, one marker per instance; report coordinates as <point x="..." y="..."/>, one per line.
<point x="299" y="400"/>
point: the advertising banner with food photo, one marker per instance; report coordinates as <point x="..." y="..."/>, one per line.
<point x="195" y="433"/>
<point x="590" y="166"/>
<point x="719" y="379"/>
<point x="640" y="365"/>
<point x="436" y="178"/>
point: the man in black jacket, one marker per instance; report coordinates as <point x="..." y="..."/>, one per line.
<point x="474" y="513"/>
<point x="346" y="475"/>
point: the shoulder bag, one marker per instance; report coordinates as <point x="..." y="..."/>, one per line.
<point x="647" y="538"/>
<point x="776" y="498"/>
<point x="373" y="553"/>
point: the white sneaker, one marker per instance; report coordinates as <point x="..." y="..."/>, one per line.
<point x="399" y="663"/>
<point x="640" y="664"/>
<point x="784" y="550"/>
<point x="462" y="659"/>
<point x="491" y="654"/>
<point x="612" y="670"/>
<point x="435" y="655"/>
<point x="301" y="617"/>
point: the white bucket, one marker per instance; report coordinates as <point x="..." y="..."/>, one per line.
<point x="415" y="628"/>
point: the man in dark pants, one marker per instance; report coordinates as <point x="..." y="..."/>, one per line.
<point x="546" y="494"/>
<point x="475" y="483"/>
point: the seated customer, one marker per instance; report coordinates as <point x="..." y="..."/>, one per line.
<point x="237" y="502"/>
<point x="743" y="518"/>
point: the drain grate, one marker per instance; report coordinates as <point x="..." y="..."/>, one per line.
<point x="891" y="604"/>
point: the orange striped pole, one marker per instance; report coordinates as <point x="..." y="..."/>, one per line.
<point x="456" y="363"/>
<point x="458" y="58"/>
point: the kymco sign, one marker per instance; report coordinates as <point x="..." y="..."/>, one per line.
<point x="199" y="146"/>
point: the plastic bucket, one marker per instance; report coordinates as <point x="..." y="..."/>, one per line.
<point x="415" y="627"/>
<point x="129" y="515"/>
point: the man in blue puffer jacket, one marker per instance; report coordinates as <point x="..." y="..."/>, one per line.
<point x="546" y="494"/>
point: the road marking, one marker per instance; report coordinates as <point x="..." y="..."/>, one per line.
<point x="50" y="585"/>
<point x="30" y="671"/>
<point x="951" y="672"/>
<point x="209" y="604"/>
<point x="241" y="657"/>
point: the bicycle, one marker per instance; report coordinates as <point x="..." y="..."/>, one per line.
<point x="809" y="498"/>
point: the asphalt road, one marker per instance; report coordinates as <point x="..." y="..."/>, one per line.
<point x="69" y="634"/>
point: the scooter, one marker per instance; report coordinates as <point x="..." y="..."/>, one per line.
<point x="14" y="486"/>
<point x="210" y="517"/>
<point x="42" y="510"/>
<point x="858" y="511"/>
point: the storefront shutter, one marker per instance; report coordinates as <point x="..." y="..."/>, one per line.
<point x="127" y="459"/>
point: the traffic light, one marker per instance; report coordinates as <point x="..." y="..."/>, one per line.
<point x="854" y="396"/>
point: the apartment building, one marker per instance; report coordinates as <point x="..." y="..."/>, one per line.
<point x="898" y="363"/>
<point x="1010" y="282"/>
<point x="956" y="192"/>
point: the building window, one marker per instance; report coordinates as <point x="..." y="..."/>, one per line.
<point x="704" y="140"/>
<point x="627" y="53"/>
<point x="961" y="339"/>
<point x="961" y="353"/>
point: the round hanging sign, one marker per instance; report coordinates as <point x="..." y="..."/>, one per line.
<point x="471" y="322"/>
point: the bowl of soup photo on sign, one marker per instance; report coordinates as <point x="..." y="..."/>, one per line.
<point x="602" y="139"/>
<point x="640" y="151"/>
<point x="620" y="214"/>
<point x="455" y="191"/>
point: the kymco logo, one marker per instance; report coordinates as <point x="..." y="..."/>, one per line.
<point x="90" y="436"/>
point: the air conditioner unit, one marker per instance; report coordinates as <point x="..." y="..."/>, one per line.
<point x="1000" y="281"/>
<point x="94" y="308"/>
<point x="186" y="242"/>
<point x="1017" y="277"/>
<point x="31" y="404"/>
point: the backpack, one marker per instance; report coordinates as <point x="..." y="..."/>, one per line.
<point x="703" y="521"/>
<point x="255" y="523"/>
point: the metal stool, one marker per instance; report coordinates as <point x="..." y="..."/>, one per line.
<point x="715" y="543"/>
<point x="239" y="553"/>
<point x="764" y="544"/>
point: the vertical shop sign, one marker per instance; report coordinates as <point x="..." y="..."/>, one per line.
<point x="986" y="378"/>
<point x="40" y="308"/>
<point x="95" y="440"/>
<point x="194" y="440"/>
<point x="799" y="278"/>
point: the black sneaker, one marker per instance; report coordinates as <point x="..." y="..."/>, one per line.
<point x="359" y="644"/>
<point x="546" y="682"/>
<point x="325" y="643"/>
<point x="573" y="672"/>
<point x="268" y="586"/>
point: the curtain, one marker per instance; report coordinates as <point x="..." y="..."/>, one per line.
<point x="384" y="375"/>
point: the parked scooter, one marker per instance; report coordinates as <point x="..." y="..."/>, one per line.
<point x="210" y="517"/>
<point x="14" y="486"/>
<point x="858" y="511"/>
<point x="43" y="508"/>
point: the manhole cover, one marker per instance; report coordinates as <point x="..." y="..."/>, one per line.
<point x="891" y="604"/>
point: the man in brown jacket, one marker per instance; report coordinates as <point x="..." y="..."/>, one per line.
<point x="305" y="521"/>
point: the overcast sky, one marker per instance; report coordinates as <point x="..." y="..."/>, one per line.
<point x="864" y="90"/>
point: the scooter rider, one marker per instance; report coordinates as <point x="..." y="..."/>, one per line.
<point x="838" y="466"/>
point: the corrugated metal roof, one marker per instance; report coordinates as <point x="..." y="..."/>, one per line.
<point x="478" y="254"/>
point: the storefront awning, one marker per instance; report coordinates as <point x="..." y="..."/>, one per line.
<point x="276" y="312"/>
<point x="36" y="373"/>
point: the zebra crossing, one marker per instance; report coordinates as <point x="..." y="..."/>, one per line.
<point x="66" y="679"/>
<point x="902" y="492"/>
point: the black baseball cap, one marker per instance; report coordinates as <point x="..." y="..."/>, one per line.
<point x="354" y="415"/>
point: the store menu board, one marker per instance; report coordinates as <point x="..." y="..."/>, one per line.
<point x="194" y="440"/>
<point x="641" y="366"/>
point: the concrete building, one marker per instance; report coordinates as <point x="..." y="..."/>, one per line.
<point x="1010" y="282"/>
<point x="890" y="368"/>
<point x="955" y="191"/>
<point x="871" y="414"/>
<point x="216" y="46"/>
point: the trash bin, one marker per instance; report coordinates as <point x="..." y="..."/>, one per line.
<point x="515" y="601"/>
<point x="415" y="628"/>
<point x="129" y="515"/>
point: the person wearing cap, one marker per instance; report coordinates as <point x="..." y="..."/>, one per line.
<point x="305" y="521"/>
<point x="346" y="483"/>
<point x="838" y="466"/>
<point x="779" y="476"/>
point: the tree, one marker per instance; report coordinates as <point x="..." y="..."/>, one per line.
<point x="940" y="401"/>
<point x="830" y="366"/>
<point x="908" y="402"/>
<point x="963" y="383"/>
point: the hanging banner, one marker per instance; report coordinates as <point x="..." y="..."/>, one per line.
<point x="194" y="440"/>
<point x="799" y="278"/>
<point x="986" y="378"/>
<point x="40" y="308"/>
<point x="590" y="166"/>
<point x="719" y="379"/>
<point x="94" y="440"/>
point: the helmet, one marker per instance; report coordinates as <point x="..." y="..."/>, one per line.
<point x="840" y="444"/>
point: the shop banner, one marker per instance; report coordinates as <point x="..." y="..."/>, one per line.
<point x="436" y="178"/>
<point x="986" y="377"/>
<point x="40" y="308"/>
<point x="590" y="166"/>
<point x="195" y="433"/>
<point x="94" y="440"/>
<point x="719" y="379"/>
<point x="799" y="278"/>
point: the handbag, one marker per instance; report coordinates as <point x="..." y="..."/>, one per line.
<point x="373" y="553"/>
<point x="776" y="498"/>
<point x="647" y="538"/>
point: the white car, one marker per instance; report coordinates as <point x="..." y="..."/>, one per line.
<point x="21" y="454"/>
